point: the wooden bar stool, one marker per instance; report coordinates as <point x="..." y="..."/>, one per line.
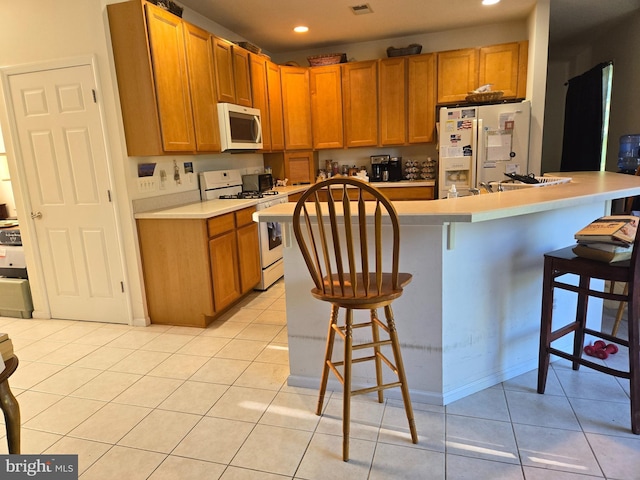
<point x="563" y="262"/>
<point x="348" y="274"/>
<point x="10" y="406"/>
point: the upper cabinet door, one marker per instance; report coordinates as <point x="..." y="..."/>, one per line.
<point x="360" y="92"/>
<point x="296" y="106"/>
<point x="166" y="40"/>
<point x="499" y="66"/>
<point x="259" y="93"/>
<point x="276" y="116"/>
<point x="225" y="85"/>
<point x="392" y="100"/>
<point x="203" y="90"/>
<point x="241" y="76"/>
<point x="422" y="98"/>
<point x="326" y="106"/>
<point x="457" y="74"/>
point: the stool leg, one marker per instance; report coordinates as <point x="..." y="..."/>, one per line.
<point x="545" y="324"/>
<point x="11" y="411"/>
<point x="616" y="324"/>
<point x="634" y="361"/>
<point x="404" y="387"/>
<point x="581" y="321"/>
<point x="346" y="394"/>
<point x="331" y="335"/>
<point x="375" y="333"/>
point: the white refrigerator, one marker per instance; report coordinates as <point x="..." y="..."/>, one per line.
<point x="481" y="143"/>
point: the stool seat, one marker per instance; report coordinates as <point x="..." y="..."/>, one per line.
<point x="563" y="262"/>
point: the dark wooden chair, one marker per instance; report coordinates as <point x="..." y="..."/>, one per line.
<point x="563" y="262"/>
<point x="10" y="406"/>
<point x="342" y="245"/>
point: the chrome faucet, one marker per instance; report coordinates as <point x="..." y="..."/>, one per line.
<point x="487" y="187"/>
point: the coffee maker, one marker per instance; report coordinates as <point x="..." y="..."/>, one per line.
<point x="379" y="168"/>
<point x="395" y="169"/>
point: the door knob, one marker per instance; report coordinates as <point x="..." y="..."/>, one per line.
<point x="36" y="215"/>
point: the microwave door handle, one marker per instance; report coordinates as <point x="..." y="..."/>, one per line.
<point x="258" y="127"/>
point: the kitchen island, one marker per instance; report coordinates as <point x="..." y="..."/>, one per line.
<point x="470" y="318"/>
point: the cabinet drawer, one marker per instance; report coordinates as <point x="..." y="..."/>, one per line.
<point x="243" y="217"/>
<point x="221" y="224"/>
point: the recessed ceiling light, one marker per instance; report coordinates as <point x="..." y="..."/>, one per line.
<point x="301" y="29"/>
<point x="490" y="2"/>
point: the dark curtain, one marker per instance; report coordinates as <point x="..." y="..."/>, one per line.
<point x="582" y="141"/>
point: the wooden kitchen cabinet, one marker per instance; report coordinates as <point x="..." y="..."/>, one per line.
<point x="421" y="116"/>
<point x="296" y="106"/>
<point x="457" y="74"/>
<point x="276" y="115"/>
<point x="360" y="94"/>
<point x="505" y="67"/>
<point x="223" y="252"/>
<point x="242" y="76"/>
<point x="326" y="106"/>
<point x="249" y="265"/>
<point x="150" y="59"/>
<point x="297" y="167"/>
<point x="195" y="269"/>
<point x="232" y="73"/>
<point x="176" y="271"/>
<point x="462" y="71"/>
<point x="165" y="76"/>
<point x="267" y="96"/>
<point x="199" y="45"/>
<point x="259" y="94"/>
<point x="392" y="101"/>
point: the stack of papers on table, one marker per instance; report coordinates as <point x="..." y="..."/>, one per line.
<point x="607" y="239"/>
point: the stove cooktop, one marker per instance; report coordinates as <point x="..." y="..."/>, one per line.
<point x="248" y="195"/>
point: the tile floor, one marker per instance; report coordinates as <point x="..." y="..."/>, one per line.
<point x="191" y="404"/>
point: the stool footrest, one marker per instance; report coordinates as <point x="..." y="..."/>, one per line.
<point x="592" y="293"/>
<point x="376" y="388"/>
<point x="587" y="363"/>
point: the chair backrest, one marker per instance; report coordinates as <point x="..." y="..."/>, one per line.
<point x="338" y="246"/>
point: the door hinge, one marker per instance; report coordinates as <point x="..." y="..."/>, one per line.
<point x="95" y="99"/>
<point x="122" y="286"/>
<point x="109" y="195"/>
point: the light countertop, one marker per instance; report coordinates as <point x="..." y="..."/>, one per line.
<point x="213" y="208"/>
<point x="584" y="187"/>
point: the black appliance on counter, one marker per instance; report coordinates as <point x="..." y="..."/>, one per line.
<point x="257" y="182"/>
<point x="395" y="169"/>
<point x="380" y="168"/>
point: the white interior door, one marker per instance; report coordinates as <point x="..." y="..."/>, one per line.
<point x="61" y="142"/>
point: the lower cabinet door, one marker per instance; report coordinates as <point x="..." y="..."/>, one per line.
<point x="223" y="251"/>
<point x="249" y="257"/>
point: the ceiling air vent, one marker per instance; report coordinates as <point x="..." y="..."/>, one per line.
<point x="361" y="9"/>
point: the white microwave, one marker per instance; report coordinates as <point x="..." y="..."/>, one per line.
<point x="240" y="127"/>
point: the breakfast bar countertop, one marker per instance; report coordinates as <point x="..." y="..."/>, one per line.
<point x="594" y="186"/>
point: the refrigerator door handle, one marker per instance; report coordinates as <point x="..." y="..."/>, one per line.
<point x="477" y="151"/>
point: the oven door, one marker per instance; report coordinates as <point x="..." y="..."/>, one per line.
<point x="270" y="243"/>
